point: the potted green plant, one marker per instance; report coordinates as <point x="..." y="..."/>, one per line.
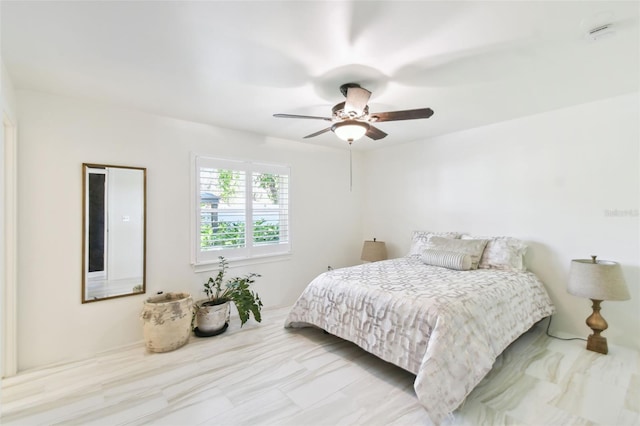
<point x="212" y="313"/>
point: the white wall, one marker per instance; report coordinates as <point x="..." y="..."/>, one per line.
<point x="549" y="179"/>
<point x="7" y="93"/>
<point x="8" y="121"/>
<point x="58" y="134"/>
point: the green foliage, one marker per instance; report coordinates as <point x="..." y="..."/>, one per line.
<point x="227" y="182"/>
<point x="229" y="234"/>
<point x="236" y="290"/>
<point x="232" y="234"/>
<point x="268" y="182"/>
<point x="265" y="232"/>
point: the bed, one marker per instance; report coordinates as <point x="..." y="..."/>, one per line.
<point x="445" y="325"/>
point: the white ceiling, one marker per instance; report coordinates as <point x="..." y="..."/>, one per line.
<point x="234" y="64"/>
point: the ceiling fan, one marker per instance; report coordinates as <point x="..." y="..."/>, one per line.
<point x="352" y="120"/>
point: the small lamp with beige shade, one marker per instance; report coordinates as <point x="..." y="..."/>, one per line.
<point x="597" y="280"/>
<point x="373" y="251"/>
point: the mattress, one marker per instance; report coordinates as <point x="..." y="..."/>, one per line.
<point x="445" y="326"/>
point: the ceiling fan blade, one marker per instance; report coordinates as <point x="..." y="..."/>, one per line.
<point x="301" y="116"/>
<point x="410" y="114"/>
<point x="317" y="133"/>
<point x="357" y="99"/>
<point x="375" y="133"/>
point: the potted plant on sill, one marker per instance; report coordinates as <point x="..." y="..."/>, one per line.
<point x="212" y="313"/>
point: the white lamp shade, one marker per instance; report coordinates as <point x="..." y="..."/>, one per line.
<point x="372" y="251"/>
<point x="602" y="280"/>
<point x="350" y="130"/>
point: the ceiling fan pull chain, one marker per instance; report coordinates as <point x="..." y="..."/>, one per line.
<point x="350" y="170"/>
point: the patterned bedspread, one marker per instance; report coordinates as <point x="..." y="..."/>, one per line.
<point x="445" y="326"/>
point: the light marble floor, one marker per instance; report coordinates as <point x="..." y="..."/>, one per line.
<point x="264" y="374"/>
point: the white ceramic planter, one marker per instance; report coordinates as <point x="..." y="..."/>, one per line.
<point x="212" y="318"/>
<point x="167" y="321"/>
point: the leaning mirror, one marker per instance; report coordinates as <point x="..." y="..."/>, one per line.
<point x="113" y="231"/>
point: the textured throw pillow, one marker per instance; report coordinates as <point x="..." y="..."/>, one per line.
<point x="446" y="259"/>
<point x="419" y="240"/>
<point x="473" y="248"/>
<point x="502" y="253"/>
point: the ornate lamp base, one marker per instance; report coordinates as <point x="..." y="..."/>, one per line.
<point x="596" y="342"/>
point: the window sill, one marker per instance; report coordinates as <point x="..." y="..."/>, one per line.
<point x="240" y="262"/>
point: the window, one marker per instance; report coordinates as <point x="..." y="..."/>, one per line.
<point x="242" y="209"/>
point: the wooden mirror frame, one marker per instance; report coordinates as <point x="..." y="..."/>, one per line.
<point x="86" y="168"/>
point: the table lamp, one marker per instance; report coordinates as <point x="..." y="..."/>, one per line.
<point x="372" y="251"/>
<point x="597" y="280"/>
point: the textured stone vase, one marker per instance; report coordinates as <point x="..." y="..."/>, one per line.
<point x="212" y="318"/>
<point x="167" y="321"/>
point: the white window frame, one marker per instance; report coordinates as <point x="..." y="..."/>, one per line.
<point x="251" y="252"/>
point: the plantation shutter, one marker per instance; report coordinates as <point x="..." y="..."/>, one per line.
<point x="242" y="209"/>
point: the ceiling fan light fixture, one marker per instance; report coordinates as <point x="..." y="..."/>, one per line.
<point x="350" y="130"/>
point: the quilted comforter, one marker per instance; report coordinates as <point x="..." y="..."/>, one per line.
<point x="447" y="327"/>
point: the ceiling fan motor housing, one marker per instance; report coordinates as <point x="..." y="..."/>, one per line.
<point x="345" y="88"/>
<point x="339" y="113"/>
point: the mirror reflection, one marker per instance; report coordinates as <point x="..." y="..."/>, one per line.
<point x="114" y="231"/>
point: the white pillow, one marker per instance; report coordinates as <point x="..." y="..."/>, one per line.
<point x="502" y="253"/>
<point x="473" y="248"/>
<point x="419" y="240"/>
<point x="446" y="259"/>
